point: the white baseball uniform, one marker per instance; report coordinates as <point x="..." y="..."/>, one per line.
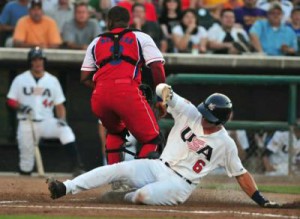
<point x="241" y="135"/>
<point x="279" y="159"/>
<point x="41" y="95"/>
<point x="188" y="156"/>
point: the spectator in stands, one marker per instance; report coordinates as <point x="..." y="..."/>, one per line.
<point x="188" y="36"/>
<point x="80" y="31"/>
<point x="248" y="14"/>
<point x="149" y="8"/>
<point x="169" y="18"/>
<point x="49" y="4"/>
<point x="296" y="3"/>
<point x="149" y="27"/>
<point x="205" y="18"/>
<point x="36" y="29"/>
<point x="214" y="6"/>
<point x="11" y="13"/>
<point x="99" y="8"/>
<point x="271" y="36"/>
<point x="2" y="4"/>
<point x="276" y="155"/>
<point x="295" y="24"/>
<point x="233" y="4"/>
<point x="61" y="13"/>
<point x="226" y="38"/>
<point x="286" y="6"/>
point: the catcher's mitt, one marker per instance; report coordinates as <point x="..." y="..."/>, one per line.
<point x="147" y="93"/>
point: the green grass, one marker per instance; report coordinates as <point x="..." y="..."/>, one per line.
<point x="280" y="189"/>
<point x="291" y="189"/>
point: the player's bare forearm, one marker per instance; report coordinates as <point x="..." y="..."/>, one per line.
<point x="256" y="43"/>
<point x="158" y="72"/>
<point x="22" y="44"/>
<point x="86" y="79"/>
<point x="60" y="111"/>
<point x="247" y="183"/>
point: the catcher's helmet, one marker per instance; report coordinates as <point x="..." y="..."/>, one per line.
<point x="36" y="52"/>
<point x="216" y="108"/>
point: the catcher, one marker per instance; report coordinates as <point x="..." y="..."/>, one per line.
<point x="197" y="144"/>
<point x="116" y="58"/>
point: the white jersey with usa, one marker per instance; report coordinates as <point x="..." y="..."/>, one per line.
<point x="194" y="154"/>
<point x="41" y="95"/>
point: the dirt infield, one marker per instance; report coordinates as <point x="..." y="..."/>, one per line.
<point x="29" y="195"/>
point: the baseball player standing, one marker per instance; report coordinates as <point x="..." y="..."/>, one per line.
<point x="117" y="57"/>
<point x="197" y="144"/>
<point x="34" y="94"/>
<point x="276" y="154"/>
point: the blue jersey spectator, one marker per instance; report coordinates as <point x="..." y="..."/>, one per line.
<point x="10" y="15"/>
<point x="295" y="24"/>
<point x="13" y="11"/>
<point x="248" y="14"/>
<point x="271" y="36"/>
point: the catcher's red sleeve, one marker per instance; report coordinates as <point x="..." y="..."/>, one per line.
<point x="158" y="72"/>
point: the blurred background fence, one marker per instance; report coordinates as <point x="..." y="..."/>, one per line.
<point x="266" y="95"/>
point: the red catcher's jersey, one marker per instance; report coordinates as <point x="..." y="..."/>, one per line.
<point x="137" y="45"/>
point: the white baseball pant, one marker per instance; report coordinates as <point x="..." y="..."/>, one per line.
<point x="156" y="183"/>
<point x="47" y="129"/>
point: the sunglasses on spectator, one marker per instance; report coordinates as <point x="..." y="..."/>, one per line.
<point x="171" y="1"/>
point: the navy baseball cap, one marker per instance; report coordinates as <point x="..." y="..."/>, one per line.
<point x="34" y="3"/>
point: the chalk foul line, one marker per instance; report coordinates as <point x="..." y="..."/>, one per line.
<point x="244" y="213"/>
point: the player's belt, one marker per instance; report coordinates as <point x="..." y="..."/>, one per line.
<point x="33" y="120"/>
<point x="168" y="165"/>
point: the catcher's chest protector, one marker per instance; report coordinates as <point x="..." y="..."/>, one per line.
<point x="116" y="51"/>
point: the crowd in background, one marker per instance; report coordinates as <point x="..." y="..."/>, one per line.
<point x="267" y="27"/>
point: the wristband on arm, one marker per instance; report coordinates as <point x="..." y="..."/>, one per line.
<point x="258" y="198"/>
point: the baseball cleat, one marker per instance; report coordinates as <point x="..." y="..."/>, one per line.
<point x="57" y="189"/>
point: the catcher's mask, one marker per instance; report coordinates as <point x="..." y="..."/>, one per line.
<point x="216" y="108"/>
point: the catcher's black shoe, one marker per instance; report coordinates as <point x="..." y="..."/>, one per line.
<point x="56" y="188"/>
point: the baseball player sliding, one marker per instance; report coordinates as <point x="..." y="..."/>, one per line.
<point x="197" y="144"/>
<point x="34" y="94"/>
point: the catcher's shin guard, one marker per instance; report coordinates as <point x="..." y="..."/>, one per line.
<point x="114" y="143"/>
<point x="152" y="149"/>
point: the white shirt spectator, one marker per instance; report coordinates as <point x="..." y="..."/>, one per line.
<point x="217" y="33"/>
<point x="49" y="4"/>
<point x="195" y="38"/>
<point x="61" y="16"/>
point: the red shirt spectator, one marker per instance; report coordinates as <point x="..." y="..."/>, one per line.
<point x="150" y="9"/>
